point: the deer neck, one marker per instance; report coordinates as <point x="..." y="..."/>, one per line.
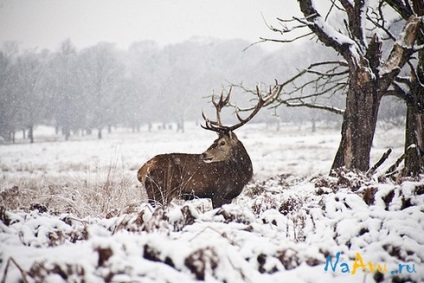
<point x="241" y="162"/>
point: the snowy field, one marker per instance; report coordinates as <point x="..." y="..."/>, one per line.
<point x="74" y="212"/>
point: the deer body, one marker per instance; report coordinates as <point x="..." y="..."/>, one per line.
<point x="220" y="173"/>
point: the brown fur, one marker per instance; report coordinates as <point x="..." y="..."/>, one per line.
<point x="180" y="175"/>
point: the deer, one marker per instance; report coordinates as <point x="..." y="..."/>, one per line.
<point x="219" y="173"/>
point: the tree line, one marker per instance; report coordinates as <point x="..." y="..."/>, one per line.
<point x="102" y="86"/>
<point x="78" y="91"/>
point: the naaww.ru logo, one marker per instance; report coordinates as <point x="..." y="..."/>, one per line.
<point x="344" y="267"/>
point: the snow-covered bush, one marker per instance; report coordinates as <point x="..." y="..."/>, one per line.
<point x="297" y="230"/>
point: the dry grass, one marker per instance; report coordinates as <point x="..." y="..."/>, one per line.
<point x="97" y="192"/>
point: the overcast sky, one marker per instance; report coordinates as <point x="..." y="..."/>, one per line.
<point x="46" y="23"/>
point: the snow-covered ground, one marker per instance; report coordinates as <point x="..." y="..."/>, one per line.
<point x="292" y="223"/>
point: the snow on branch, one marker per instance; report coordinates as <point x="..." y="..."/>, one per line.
<point x="326" y="33"/>
<point x="402" y="49"/>
<point x="378" y="21"/>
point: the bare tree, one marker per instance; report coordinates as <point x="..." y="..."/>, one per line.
<point x="8" y="95"/>
<point x="31" y="90"/>
<point x="66" y="90"/>
<point x="145" y="66"/>
<point x="410" y="89"/>
<point x="102" y="76"/>
<point x="363" y="72"/>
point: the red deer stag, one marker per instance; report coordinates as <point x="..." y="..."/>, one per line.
<point x="220" y="173"/>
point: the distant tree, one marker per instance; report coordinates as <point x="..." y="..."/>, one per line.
<point x="363" y="73"/>
<point x="102" y="77"/>
<point x="66" y="100"/>
<point x="8" y="94"/>
<point x="185" y="70"/>
<point x="31" y="90"/>
<point x="392" y="113"/>
<point x="145" y="65"/>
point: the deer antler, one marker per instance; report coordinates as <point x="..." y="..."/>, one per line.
<point x="217" y="126"/>
<point x="221" y="103"/>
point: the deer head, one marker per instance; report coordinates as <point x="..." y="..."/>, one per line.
<point x="223" y="147"/>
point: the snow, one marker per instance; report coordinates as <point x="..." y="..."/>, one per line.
<point x="338" y="37"/>
<point x="283" y="228"/>
<point x="393" y="63"/>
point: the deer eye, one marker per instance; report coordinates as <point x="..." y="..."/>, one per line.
<point x="222" y="143"/>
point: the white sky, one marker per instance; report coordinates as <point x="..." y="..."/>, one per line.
<point x="46" y="23"/>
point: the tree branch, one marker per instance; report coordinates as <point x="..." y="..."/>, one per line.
<point x="376" y="23"/>
<point x="402" y="50"/>
<point x="263" y="39"/>
<point x="381" y="161"/>
<point x="282" y="31"/>
<point x="326" y="34"/>
<point x="404" y="10"/>
<point x="313" y="106"/>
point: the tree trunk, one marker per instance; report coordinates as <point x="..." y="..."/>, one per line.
<point x="66" y="132"/>
<point x="359" y="122"/>
<point x="99" y="134"/>
<point x="414" y="131"/>
<point x="67" y="135"/>
<point x="31" y="133"/>
<point x="414" y="141"/>
<point x="180" y="125"/>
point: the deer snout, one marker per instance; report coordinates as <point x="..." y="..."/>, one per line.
<point x="206" y="157"/>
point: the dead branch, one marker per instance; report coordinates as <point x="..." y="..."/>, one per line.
<point x="285" y="29"/>
<point x="332" y="90"/>
<point x="21" y="270"/>
<point x="402" y="7"/>
<point x="264" y="39"/>
<point x="402" y="50"/>
<point x="392" y="169"/>
<point x="333" y="4"/>
<point x="213" y="230"/>
<point x="313" y="106"/>
<point x="329" y="81"/>
<point x="310" y="68"/>
<point x="379" y="162"/>
<point x="376" y="22"/>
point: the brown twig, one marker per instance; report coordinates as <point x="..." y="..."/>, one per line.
<point x="21" y="270"/>
<point x="379" y="162"/>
